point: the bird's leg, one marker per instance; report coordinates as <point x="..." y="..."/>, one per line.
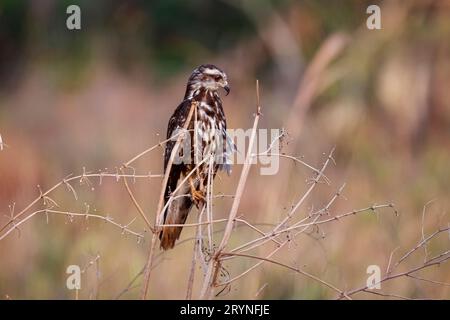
<point x="197" y="195"/>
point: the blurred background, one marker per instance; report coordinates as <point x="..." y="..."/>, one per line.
<point x="96" y="97"/>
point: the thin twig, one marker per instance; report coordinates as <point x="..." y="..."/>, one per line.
<point x="136" y="204"/>
<point x="44" y="195"/>
<point x="194" y="260"/>
<point x="400" y="274"/>
<point x="71" y="214"/>
<point x="298" y="270"/>
<point x="419" y="245"/>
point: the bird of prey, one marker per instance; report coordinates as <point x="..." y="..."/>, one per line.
<point x="208" y="139"/>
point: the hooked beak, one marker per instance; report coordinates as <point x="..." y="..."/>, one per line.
<point x="227" y="89"/>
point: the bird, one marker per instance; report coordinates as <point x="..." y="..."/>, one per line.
<point x="208" y="138"/>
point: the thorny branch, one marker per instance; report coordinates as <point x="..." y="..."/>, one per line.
<point x="48" y="202"/>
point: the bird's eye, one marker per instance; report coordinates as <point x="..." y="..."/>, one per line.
<point x="217" y="78"/>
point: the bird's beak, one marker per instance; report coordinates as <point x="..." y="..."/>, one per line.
<point x="227" y="89"/>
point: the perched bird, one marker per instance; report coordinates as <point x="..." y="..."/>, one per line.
<point x="208" y="138"/>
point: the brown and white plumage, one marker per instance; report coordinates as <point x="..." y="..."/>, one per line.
<point x="210" y="134"/>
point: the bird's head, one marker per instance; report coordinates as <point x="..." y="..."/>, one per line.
<point x="209" y="77"/>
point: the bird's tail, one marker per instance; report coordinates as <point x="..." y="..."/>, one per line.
<point x="176" y="213"/>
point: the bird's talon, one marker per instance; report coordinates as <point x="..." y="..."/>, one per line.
<point x="198" y="197"/>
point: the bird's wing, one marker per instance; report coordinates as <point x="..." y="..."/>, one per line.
<point x="176" y="122"/>
<point x="179" y="208"/>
